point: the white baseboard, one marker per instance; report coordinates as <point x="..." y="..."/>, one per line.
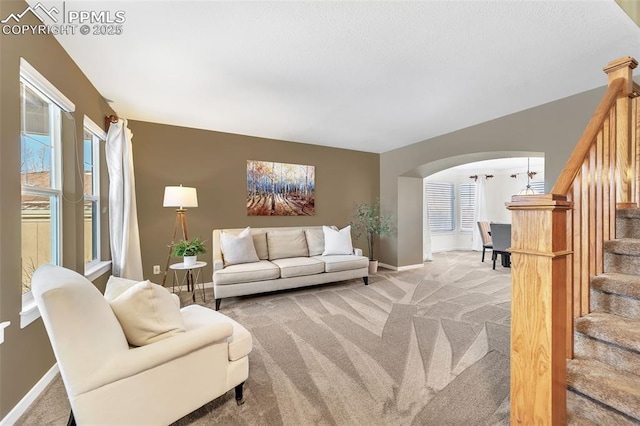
<point x="402" y="268"/>
<point x="22" y="406"/>
<point x="444" y="250"/>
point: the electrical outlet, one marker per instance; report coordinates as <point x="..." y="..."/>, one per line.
<point x="156" y="269"/>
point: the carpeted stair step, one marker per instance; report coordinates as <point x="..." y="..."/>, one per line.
<point x="617" y="294"/>
<point x="609" y="339"/>
<point x="622" y="256"/>
<point x="628" y="223"/>
<point x="601" y="382"/>
<point x="582" y="411"/>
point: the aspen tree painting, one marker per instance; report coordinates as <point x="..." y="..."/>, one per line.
<point x="280" y="189"/>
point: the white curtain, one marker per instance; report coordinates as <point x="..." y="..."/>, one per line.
<point x="427" y="251"/>
<point x="123" y="215"/>
<point x="480" y="212"/>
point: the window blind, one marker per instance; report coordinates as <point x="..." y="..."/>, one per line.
<point x="440" y="198"/>
<point x="467" y="206"/>
<point x="537" y="186"/>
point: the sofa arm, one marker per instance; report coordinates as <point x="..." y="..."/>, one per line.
<point x="137" y="360"/>
<point x="218" y="264"/>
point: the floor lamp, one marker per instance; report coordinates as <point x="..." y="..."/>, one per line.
<point x="180" y="197"/>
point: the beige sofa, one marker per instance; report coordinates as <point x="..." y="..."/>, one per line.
<point x="288" y="257"/>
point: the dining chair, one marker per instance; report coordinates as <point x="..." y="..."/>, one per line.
<point x="485" y="233"/>
<point x="501" y="237"/>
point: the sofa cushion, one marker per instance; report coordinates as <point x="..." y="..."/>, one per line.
<point x="284" y="244"/>
<point x="147" y="313"/>
<point x="247" y="272"/>
<point x="337" y="242"/>
<point x="315" y="241"/>
<point x="238" y="249"/>
<point x="344" y="262"/>
<point x="240" y="342"/>
<point x="260" y="243"/>
<point x="299" y="266"/>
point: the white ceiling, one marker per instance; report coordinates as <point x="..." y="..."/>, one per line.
<point x="370" y="76"/>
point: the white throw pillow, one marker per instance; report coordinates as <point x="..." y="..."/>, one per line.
<point x="238" y="248"/>
<point x="147" y="313"/>
<point x="337" y="242"/>
<point x="116" y="286"/>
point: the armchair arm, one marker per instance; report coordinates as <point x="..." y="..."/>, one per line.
<point x="176" y="299"/>
<point x="137" y="360"/>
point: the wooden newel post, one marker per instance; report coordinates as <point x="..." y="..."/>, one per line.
<point x="539" y="266"/>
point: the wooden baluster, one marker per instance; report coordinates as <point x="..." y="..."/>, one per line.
<point x="599" y="204"/>
<point x="576" y="246"/>
<point x="635" y="138"/>
<point x="608" y="190"/>
<point x="584" y="240"/>
<point x="612" y="174"/>
<point x="625" y="152"/>
<point x="572" y="278"/>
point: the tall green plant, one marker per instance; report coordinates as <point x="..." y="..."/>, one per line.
<point x="369" y="221"/>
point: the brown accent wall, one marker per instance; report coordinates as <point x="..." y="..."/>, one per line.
<point x="25" y="355"/>
<point x="216" y="163"/>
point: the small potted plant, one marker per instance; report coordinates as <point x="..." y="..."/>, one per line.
<point x="189" y="250"/>
<point x="370" y="222"/>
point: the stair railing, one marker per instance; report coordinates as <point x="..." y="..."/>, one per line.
<point x="557" y="244"/>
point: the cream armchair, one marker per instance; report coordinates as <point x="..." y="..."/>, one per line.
<point x="109" y="382"/>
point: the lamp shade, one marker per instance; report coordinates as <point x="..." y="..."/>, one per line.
<point x="180" y="196"/>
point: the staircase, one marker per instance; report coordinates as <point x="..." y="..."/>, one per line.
<point x="603" y="379"/>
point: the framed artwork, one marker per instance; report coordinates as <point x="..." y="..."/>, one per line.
<point x="280" y="189"/>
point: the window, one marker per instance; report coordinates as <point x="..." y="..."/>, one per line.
<point x="467" y="206"/>
<point x="41" y="108"/>
<point x="440" y="206"/>
<point x="537" y="186"/>
<point x="40" y="170"/>
<point x="91" y="176"/>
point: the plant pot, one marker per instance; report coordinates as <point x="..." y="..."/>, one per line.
<point x="373" y="266"/>
<point x="190" y="260"/>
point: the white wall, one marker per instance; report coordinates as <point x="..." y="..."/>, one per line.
<point x="498" y="192"/>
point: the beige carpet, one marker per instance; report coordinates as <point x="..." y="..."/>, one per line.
<point x="424" y="347"/>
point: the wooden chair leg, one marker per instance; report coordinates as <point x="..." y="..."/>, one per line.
<point x="218" y="301"/>
<point x="483" y="250"/>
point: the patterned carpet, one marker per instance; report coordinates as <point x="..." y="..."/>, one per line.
<point x="423" y="347"/>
